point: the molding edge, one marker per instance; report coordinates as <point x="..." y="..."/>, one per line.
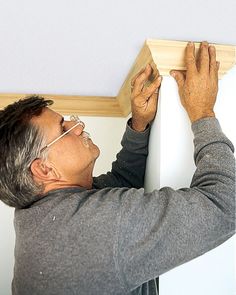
<point x="162" y="54"/>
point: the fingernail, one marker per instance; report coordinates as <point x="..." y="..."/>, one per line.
<point x="190" y="43"/>
<point x="159" y="78"/>
<point x="204" y="43"/>
<point x="172" y="74"/>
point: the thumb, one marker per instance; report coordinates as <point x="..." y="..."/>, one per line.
<point x="179" y="78"/>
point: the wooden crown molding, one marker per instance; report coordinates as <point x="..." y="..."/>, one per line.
<point x="162" y="54"/>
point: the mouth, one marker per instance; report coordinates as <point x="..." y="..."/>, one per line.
<point x="86" y="138"/>
<point x="86" y="135"/>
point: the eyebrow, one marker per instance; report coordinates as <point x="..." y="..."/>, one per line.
<point x="78" y="123"/>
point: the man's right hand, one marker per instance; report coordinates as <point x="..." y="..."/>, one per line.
<point x="198" y="85"/>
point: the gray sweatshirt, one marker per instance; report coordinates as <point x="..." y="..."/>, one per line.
<point x="115" y="239"/>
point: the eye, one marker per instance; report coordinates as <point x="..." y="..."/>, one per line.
<point x="63" y="129"/>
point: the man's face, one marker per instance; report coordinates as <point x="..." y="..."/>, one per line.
<point x="71" y="155"/>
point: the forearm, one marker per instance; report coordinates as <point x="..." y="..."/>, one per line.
<point x="215" y="173"/>
<point x="176" y="226"/>
<point x="129" y="168"/>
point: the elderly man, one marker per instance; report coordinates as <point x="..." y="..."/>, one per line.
<point x="76" y="234"/>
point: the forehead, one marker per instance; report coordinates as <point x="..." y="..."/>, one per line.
<point x="47" y="118"/>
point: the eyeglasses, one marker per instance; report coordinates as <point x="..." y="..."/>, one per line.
<point x="73" y="118"/>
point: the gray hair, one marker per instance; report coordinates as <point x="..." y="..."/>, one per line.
<point x="20" y="144"/>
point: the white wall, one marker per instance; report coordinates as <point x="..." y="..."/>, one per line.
<point x="170" y="163"/>
<point x="107" y="134"/>
<point x="7" y="235"/>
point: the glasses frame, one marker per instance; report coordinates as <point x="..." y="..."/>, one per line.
<point x="73" y="118"/>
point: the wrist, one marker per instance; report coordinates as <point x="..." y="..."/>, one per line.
<point x="194" y="118"/>
<point x="138" y="126"/>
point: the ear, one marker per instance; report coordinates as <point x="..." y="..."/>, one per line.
<point x="44" y="171"/>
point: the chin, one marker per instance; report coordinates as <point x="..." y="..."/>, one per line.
<point x="96" y="152"/>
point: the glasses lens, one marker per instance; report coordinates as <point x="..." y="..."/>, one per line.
<point x="74" y="118"/>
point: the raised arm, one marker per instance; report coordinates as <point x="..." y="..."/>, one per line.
<point x="165" y="228"/>
<point x="129" y="168"/>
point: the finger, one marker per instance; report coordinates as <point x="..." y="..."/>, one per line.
<point x="183" y="72"/>
<point x="204" y="58"/>
<point x="216" y="74"/>
<point x="190" y="58"/>
<point x="155" y="73"/>
<point x="179" y="77"/>
<point x="153" y="87"/>
<point x="152" y="102"/>
<point x="142" y="79"/>
<point x="197" y="57"/>
<point x="213" y="63"/>
<point x="134" y="78"/>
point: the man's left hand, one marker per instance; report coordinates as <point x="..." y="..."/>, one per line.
<point x="144" y="99"/>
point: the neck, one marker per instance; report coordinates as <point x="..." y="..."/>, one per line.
<point x="85" y="180"/>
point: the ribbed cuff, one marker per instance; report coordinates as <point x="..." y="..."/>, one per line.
<point x="137" y="136"/>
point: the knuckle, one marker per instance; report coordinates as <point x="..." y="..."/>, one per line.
<point x="213" y="66"/>
<point x="140" y="77"/>
<point x="190" y="59"/>
<point x="152" y="87"/>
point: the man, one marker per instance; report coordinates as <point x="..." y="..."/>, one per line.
<point x="76" y="234"/>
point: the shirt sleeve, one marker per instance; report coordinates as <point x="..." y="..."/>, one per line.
<point x="129" y="168"/>
<point x="166" y="228"/>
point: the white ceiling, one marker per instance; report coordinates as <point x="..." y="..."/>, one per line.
<point x="87" y="47"/>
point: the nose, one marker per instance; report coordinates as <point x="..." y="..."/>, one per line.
<point x="76" y="127"/>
